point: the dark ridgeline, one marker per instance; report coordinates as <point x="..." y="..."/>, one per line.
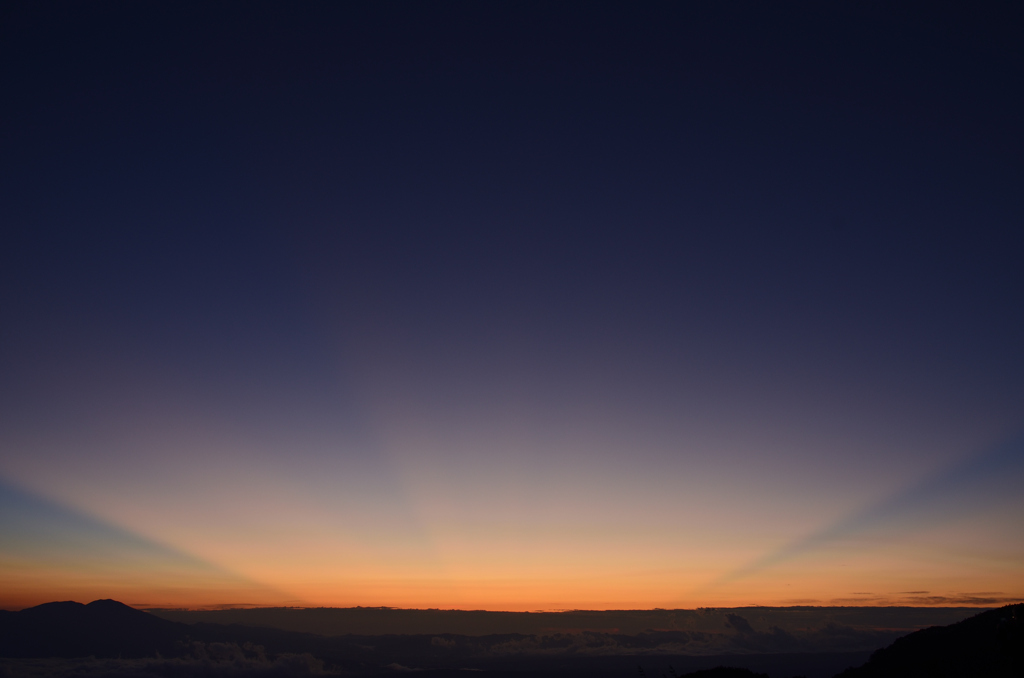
<point x="990" y="644"/>
<point x="103" y="628"/>
<point x="849" y="625"/>
<point x="109" y="629"/>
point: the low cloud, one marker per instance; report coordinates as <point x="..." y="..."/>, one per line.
<point x="739" y="624"/>
<point x="963" y="600"/>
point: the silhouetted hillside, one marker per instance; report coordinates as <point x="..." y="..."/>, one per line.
<point x="989" y="645"/>
<point x="109" y="629"/>
<point x="103" y="628"/>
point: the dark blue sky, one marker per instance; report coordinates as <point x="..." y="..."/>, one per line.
<point x="774" y="249"/>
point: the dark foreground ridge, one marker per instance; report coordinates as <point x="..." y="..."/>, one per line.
<point x="990" y="644"/>
<point x="119" y="641"/>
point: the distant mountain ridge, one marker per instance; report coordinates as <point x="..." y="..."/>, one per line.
<point x="102" y="628"/>
<point x="335" y="621"/>
<point x="989" y="644"/>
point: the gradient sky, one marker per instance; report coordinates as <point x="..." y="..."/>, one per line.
<point x="511" y="305"/>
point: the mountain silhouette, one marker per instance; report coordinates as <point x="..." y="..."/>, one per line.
<point x="103" y="628"/>
<point x="990" y="644"/>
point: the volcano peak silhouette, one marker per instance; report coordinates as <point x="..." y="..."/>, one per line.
<point x="101" y="628"/>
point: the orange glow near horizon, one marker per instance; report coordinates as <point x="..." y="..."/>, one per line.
<point x="442" y="545"/>
<point x="546" y="578"/>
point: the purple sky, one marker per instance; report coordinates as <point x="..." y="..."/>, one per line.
<point x="511" y="307"/>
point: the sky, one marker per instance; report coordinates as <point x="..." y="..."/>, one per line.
<point x="511" y="306"/>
